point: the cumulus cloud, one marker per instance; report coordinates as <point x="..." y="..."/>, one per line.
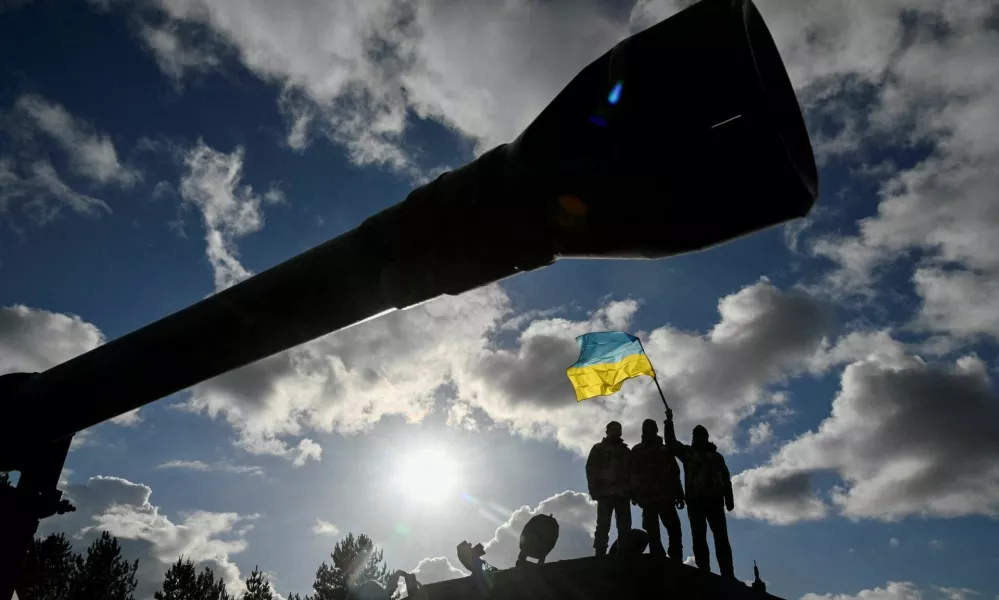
<point x="895" y="590"/>
<point x="576" y="514"/>
<point x="913" y="75"/>
<point x="439" y="568"/>
<point x="91" y="154"/>
<point x="122" y="508"/>
<point x="901" y="590"/>
<point x="229" y="210"/>
<point x="445" y="351"/>
<point x="349" y="380"/>
<point x="718" y="379"/>
<point x="894" y="543"/>
<point x="360" y="71"/>
<point x="33" y="340"/>
<point x="905" y="438"/>
<point x="321" y="527"/>
<point x="199" y="466"/>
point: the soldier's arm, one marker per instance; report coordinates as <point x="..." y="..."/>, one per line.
<point x="678" y="448"/>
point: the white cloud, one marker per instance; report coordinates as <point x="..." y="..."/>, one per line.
<point x="400" y="363"/>
<point x="760" y="434"/>
<point x="229" y="210"/>
<point x="763" y="336"/>
<point x="41" y="192"/>
<point x="961" y="303"/>
<point x="349" y="380"/>
<point x="483" y="68"/>
<point x="895" y="590"/>
<point x="82" y="439"/>
<point x="894" y="543"/>
<point x="174" y="56"/>
<point x="130" y="419"/>
<point x="91" y="154"/>
<point x="905" y="75"/>
<point x="33" y="340"/>
<point x="951" y="593"/>
<point x="199" y="466"/>
<point x="122" y="508"/>
<point x="576" y="514"/>
<point x="321" y="527"/>
<point x="905" y="437"/>
<point x="432" y="570"/>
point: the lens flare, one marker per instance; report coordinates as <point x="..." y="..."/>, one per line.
<point x="615" y="94"/>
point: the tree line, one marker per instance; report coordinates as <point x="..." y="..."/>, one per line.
<point x="53" y="570"/>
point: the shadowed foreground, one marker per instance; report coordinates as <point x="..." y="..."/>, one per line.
<point x="593" y="578"/>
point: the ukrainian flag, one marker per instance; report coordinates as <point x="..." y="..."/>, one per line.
<point x="606" y="359"/>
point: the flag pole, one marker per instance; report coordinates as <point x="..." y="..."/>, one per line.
<point x="661" y="395"/>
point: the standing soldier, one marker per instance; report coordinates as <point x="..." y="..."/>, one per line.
<point x="608" y="477"/>
<point x="656" y="488"/>
<point x="709" y="485"/>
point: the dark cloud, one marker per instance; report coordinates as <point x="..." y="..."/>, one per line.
<point x="904" y="436"/>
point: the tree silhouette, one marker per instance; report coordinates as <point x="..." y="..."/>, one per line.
<point x="183" y="582"/>
<point x="257" y="587"/>
<point x="104" y="573"/>
<point x="355" y="560"/>
<point x="50" y="568"/>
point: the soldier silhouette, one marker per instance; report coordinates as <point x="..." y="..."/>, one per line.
<point x="608" y="477"/>
<point x="709" y="493"/>
<point x="656" y="488"/>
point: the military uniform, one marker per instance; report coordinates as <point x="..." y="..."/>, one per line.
<point x="709" y="492"/>
<point x="608" y="476"/>
<point x="656" y="488"/>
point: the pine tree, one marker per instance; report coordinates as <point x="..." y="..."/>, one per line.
<point x="355" y="560"/>
<point x="257" y="587"/>
<point x="183" y="582"/>
<point x="49" y="569"/>
<point x="179" y="582"/>
<point x="104" y="573"/>
<point x="211" y="589"/>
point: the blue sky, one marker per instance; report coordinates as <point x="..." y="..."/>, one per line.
<point x="154" y="152"/>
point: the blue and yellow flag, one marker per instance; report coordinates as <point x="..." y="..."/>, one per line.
<point x="606" y="359"/>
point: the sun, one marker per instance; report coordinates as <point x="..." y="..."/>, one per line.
<point x="426" y="475"/>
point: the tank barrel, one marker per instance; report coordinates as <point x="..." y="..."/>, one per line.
<point x="683" y="136"/>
